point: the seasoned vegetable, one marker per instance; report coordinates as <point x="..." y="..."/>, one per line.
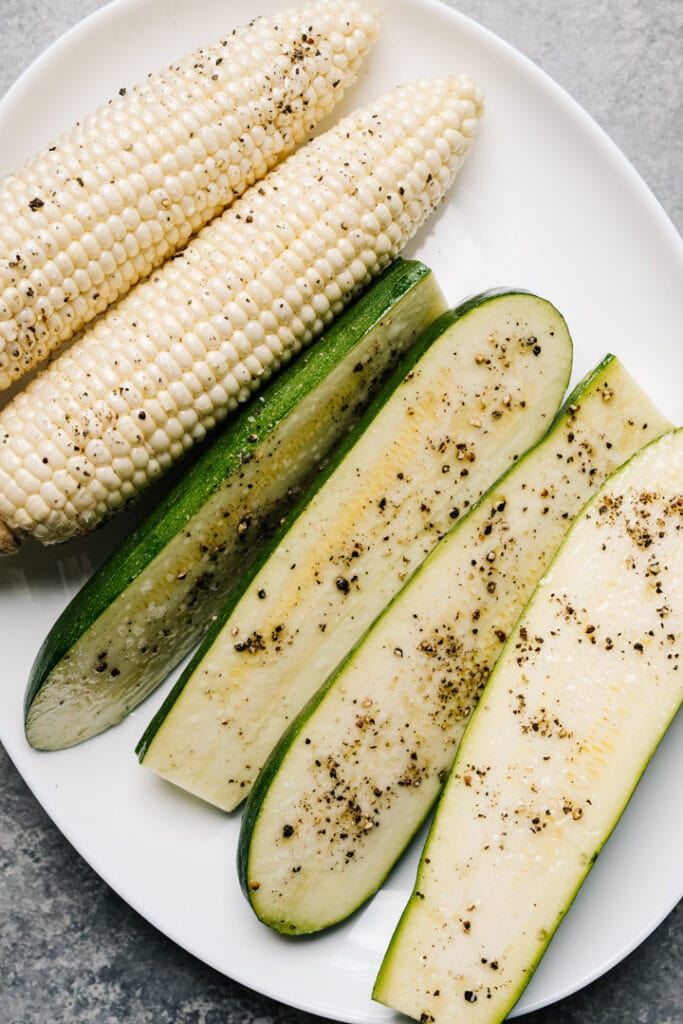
<point x="150" y="602"/>
<point x="584" y="690"/>
<point x="101" y="208"/>
<point x="369" y="754"/>
<point x="181" y="350"/>
<point x="480" y="387"/>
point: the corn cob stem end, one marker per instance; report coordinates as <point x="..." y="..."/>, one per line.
<point x="8" y="543"/>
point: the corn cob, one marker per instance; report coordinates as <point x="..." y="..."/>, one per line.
<point x="88" y="217"/>
<point x="183" y="348"/>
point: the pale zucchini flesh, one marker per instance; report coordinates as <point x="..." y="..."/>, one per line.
<point x="144" y="609"/>
<point x="587" y="684"/>
<point x="351" y="782"/>
<point x="482" y="385"/>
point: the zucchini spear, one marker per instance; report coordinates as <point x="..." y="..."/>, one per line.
<point x="355" y="776"/>
<point x="474" y="392"/>
<point x="587" y="684"/>
<point x="143" y="610"/>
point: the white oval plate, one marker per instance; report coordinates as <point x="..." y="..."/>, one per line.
<point x="545" y="202"/>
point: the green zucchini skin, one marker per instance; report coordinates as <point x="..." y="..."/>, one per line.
<point x="480" y="386"/>
<point x="580" y="698"/>
<point x="410" y="685"/>
<point x="160" y="589"/>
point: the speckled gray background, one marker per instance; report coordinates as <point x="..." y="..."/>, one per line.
<point x="71" y="952"/>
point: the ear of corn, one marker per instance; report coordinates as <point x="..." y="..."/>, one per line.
<point x="99" y="210"/>
<point x="183" y="348"/>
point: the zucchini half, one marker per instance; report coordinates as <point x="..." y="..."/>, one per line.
<point x="369" y="755"/>
<point x="587" y="684"/>
<point x="473" y="393"/>
<point x="144" y="609"/>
